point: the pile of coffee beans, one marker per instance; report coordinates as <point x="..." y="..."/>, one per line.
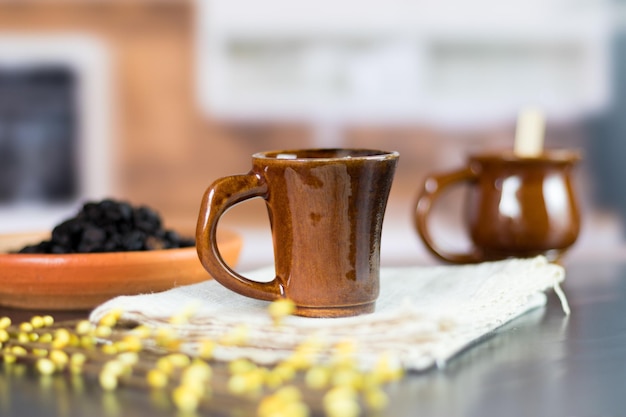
<point x="110" y="226"/>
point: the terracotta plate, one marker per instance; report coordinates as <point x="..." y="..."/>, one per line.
<point x="82" y="281"/>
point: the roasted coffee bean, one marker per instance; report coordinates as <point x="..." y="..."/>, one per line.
<point x="110" y="226"/>
<point x="154" y="243"/>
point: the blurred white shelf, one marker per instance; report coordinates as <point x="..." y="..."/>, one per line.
<point x="24" y="218"/>
<point x="402" y="60"/>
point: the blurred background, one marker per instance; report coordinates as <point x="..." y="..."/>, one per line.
<point x="151" y="100"/>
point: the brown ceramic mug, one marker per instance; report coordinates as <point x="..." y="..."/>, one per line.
<point x="516" y="206"/>
<point x="326" y="209"/>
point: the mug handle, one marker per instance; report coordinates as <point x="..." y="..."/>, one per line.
<point x="218" y="198"/>
<point x="433" y="186"/>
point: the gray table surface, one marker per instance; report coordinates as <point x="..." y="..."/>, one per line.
<point x="542" y="364"/>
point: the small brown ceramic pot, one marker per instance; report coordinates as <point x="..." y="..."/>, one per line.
<point x="517" y="206"/>
<point x="326" y="209"/>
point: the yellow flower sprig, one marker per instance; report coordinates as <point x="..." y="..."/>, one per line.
<point x="153" y="358"/>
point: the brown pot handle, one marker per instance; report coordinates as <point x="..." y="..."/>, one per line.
<point x="434" y="185"/>
<point x="218" y="198"/>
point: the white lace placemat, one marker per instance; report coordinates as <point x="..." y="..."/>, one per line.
<point x="423" y="317"/>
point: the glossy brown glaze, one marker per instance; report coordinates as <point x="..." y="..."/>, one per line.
<point x="326" y="209"/>
<point x="517" y="207"/>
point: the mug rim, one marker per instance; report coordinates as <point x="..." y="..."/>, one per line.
<point x="546" y="156"/>
<point x="334" y="154"/>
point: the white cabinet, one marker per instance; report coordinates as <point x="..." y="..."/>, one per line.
<point x="448" y="61"/>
